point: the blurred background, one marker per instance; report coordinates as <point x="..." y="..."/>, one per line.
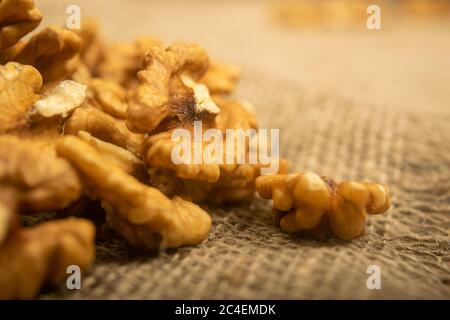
<point x="321" y="45"/>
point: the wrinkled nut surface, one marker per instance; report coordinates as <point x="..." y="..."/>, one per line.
<point x="108" y="97"/>
<point x="19" y="86"/>
<point x="33" y="181"/>
<point x="53" y="51"/>
<point x="167" y="88"/>
<point x="221" y="78"/>
<point x="234" y="114"/>
<point x="141" y="214"/>
<point x="236" y="184"/>
<point x="203" y="101"/>
<point x="237" y="181"/>
<point x="39" y="256"/>
<point x="159" y="148"/>
<point x="27" y="114"/>
<point x="121" y="62"/>
<point x="159" y="155"/>
<point x="17" y="18"/>
<point x="308" y="202"/>
<point x="124" y="159"/>
<point x="60" y="101"/>
<point x="104" y="127"/>
<point x="214" y="181"/>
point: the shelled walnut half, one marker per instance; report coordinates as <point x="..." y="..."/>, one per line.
<point x="34" y="257"/>
<point x="141" y="214"/>
<point x="53" y="51"/>
<point x="169" y="88"/>
<point x="17" y="18"/>
<point x="33" y="181"/>
<point x="19" y="87"/>
<point x="306" y="202"/>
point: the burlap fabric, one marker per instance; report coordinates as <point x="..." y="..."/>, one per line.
<point x="383" y="119"/>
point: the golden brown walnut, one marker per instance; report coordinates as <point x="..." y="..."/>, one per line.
<point x="310" y="203"/>
<point x="331" y="14"/>
<point x="221" y="78"/>
<point x="159" y="155"/>
<point x="168" y="88"/>
<point x="236" y="181"/>
<point x="53" y="51"/>
<point x="234" y="114"/>
<point x="93" y="48"/>
<point x="20" y="103"/>
<point x="141" y="214"/>
<point x="32" y="180"/>
<point x="424" y="8"/>
<point x="29" y="115"/>
<point x="121" y="62"/>
<point x="216" y="181"/>
<point x="104" y="127"/>
<point x="124" y="159"/>
<point x="39" y="256"/>
<point x="17" y="18"/>
<point x="108" y="97"/>
<point x="19" y="86"/>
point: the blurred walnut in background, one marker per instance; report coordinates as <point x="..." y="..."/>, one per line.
<point x="353" y="14"/>
<point x="18" y="18"/>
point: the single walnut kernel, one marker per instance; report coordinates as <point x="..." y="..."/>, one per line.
<point x="33" y="181"/>
<point x="308" y="202"/>
<point x="167" y="88"/>
<point x="19" y="86"/>
<point x="17" y="18"/>
<point x="53" y="51"/>
<point x="141" y="214"/>
<point x="39" y="256"/>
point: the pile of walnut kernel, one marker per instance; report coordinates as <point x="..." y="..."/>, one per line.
<point x="82" y="122"/>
